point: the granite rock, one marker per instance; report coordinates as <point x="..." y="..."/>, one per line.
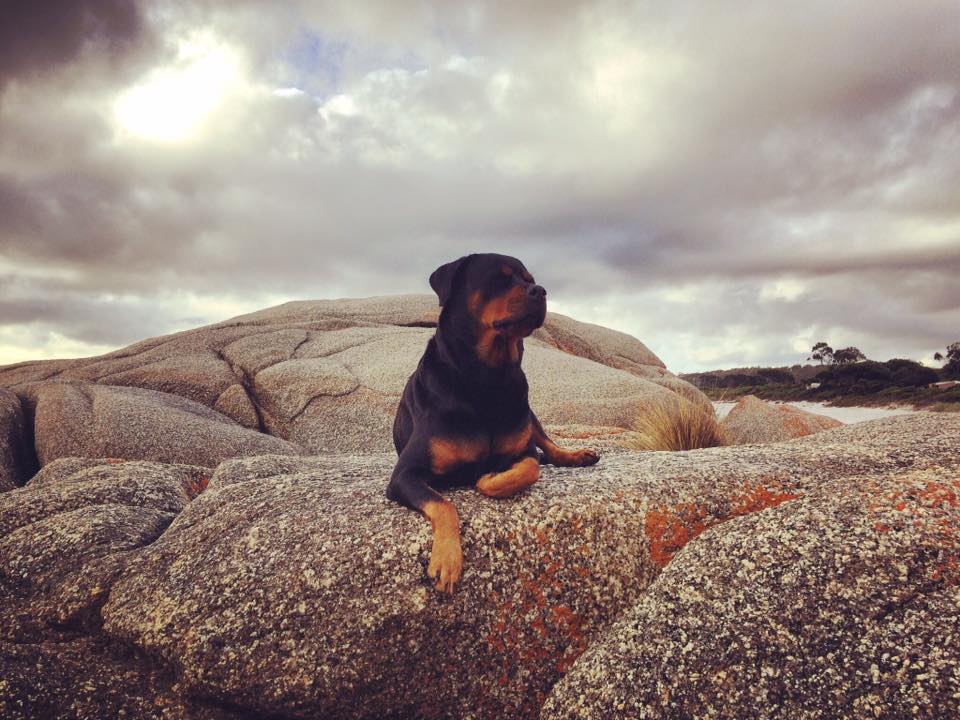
<point x="87" y="678"/>
<point x="292" y="587"/>
<point x="67" y="533"/>
<point x="90" y="420"/>
<point x="15" y="459"/>
<point x="842" y="603"/>
<point x="752" y="420"/>
<point x="327" y="375"/>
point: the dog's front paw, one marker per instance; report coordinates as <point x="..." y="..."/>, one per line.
<point x="586" y="457"/>
<point x="573" y="458"/>
<point x="446" y="564"/>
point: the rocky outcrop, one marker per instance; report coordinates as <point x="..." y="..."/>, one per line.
<point x="752" y="420"/>
<point x="292" y="587"/>
<point x="64" y="538"/>
<point x="241" y="578"/>
<point x="840" y="603"/>
<point x="88" y="420"/>
<point x="14" y="453"/>
<point x="90" y="678"/>
<point x="323" y="375"/>
<point x="289" y="586"/>
<point x="69" y="531"/>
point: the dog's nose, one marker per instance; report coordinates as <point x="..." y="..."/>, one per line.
<point x="536" y="291"/>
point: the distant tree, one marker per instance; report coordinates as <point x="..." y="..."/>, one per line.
<point x="938" y="356"/>
<point x="844" y="356"/>
<point x="952" y="368"/>
<point x="822" y="352"/>
<point x="906" y="373"/>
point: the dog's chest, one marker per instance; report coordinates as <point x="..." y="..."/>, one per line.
<point x="451" y="453"/>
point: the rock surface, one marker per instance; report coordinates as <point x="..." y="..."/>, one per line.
<point x="241" y="578"/>
<point x="90" y="679"/>
<point x="64" y="538"/>
<point x="752" y="420"/>
<point x="324" y="375"/>
<point x="292" y="587"/>
<point x="80" y="419"/>
<point x="14" y="458"/>
<point x="67" y="533"/>
<point x="842" y="603"/>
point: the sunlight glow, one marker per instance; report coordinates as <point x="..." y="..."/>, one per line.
<point x="171" y="103"/>
<point x="23" y="343"/>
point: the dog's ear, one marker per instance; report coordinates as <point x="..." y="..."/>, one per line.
<point x="444" y="279"/>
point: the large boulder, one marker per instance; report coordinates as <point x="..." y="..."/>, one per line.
<point x="300" y="591"/>
<point x="90" y="420"/>
<point x="752" y="420"/>
<point x="327" y="375"/>
<point x="14" y="456"/>
<point x="64" y="538"/>
<point x="90" y="679"/>
<point x="292" y="587"/>
<point x="844" y="602"/>
<point x="69" y="531"/>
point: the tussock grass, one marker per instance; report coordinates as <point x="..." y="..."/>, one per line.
<point x="946" y="407"/>
<point x="677" y="424"/>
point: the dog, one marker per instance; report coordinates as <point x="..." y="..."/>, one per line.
<point x="464" y="418"/>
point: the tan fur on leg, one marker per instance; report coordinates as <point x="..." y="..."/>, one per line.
<point x="504" y="484"/>
<point x="446" y="557"/>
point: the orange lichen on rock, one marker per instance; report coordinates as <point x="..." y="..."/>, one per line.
<point x="942" y="499"/>
<point x="198" y="485"/>
<point x="668" y="529"/>
<point x="927" y="507"/>
<point x="533" y="630"/>
<point x="759" y="497"/>
<point x="939" y="495"/>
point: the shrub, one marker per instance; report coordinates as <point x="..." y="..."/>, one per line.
<point x="777" y="376"/>
<point x="863" y="377"/>
<point x="908" y="372"/>
<point x="949" y="407"/>
<point x="677" y="424"/>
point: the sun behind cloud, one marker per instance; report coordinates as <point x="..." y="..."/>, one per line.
<point x="172" y="103"/>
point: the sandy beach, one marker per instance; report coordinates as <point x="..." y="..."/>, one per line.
<point x="843" y="414"/>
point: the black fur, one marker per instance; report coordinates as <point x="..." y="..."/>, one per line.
<point x="453" y="393"/>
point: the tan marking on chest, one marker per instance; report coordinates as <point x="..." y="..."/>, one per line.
<point x="495" y="347"/>
<point x="447" y="454"/>
<point x="514" y="444"/>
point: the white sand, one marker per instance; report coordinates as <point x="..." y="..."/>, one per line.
<point x="848" y="415"/>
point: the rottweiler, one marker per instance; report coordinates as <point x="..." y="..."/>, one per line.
<point x="464" y="418"/>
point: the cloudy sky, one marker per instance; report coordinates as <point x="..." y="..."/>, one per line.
<point x="729" y="182"/>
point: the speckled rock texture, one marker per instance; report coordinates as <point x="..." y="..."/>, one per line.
<point x="84" y="678"/>
<point x="841" y="603"/>
<point x="80" y="419"/>
<point x="292" y="587"/>
<point x="68" y="532"/>
<point x="14" y="457"/>
<point x="64" y="538"/>
<point x="327" y="375"/>
<point x="752" y="420"/>
<point x="287" y="586"/>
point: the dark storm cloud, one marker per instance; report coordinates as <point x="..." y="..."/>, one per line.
<point x="633" y="151"/>
<point x="39" y="36"/>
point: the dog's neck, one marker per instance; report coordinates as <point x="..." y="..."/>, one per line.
<point x="457" y="349"/>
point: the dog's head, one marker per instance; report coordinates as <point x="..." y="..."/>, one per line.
<point x="494" y="297"/>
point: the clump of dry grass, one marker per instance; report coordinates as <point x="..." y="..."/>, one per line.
<point x="676" y="425"/>
<point x="949" y="407"/>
